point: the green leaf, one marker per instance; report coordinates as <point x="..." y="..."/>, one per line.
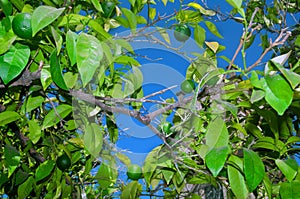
<point x="164" y="34"/>
<point x="288" y="167"/>
<point x="199" y="35"/>
<point x="93" y="139"/>
<point x="97" y="5"/>
<point x="235" y="3"/>
<point x="25" y="188"/>
<point x="13" y="62"/>
<point x="213" y="29"/>
<point x="152" y="13"/>
<point x="43" y="16"/>
<point x="33" y="102"/>
<point x="131" y="17"/>
<point x="126" y="60"/>
<point x="150" y="163"/>
<point x="88" y="55"/>
<point x="217" y="134"/>
<point x="35" y="132"/>
<point x="46" y="79"/>
<point x="6" y="7"/>
<point x="168" y="175"/>
<point x="6" y="40"/>
<point x="237" y="183"/>
<point x="268" y="185"/>
<point x="57" y="39"/>
<point x="56" y="72"/>
<point x="8" y="117"/>
<point x="216" y="159"/>
<point x="271" y="144"/>
<point x="106" y="175"/>
<point x="290" y="190"/>
<point x="253" y="168"/>
<point x="54" y="116"/>
<point x="131" y="191"/>
<point x="292" y="77"/>
<point x="12" y="158"/>
<point x="257" y="95"/>
<point x="279" y="93"/>
<point x="71" y="39"/>
<point x="201" y="9"/>
<point x="44" y="170"/>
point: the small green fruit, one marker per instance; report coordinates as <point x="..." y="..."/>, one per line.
<point x="21" y="25"/>
<point x="187" y="86"/>
<point x="166" y="128"/>
<point x="63" y="162"/>
<point x="182" y="32"/>
<point x="134" y="172"/>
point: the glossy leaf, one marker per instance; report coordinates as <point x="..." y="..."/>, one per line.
<point x="6" y="7"/>
<point x="292" y="77"/>
<point x="43" y="16"/>
<point x="13" y="62"/>
<point x="93" y="139"/>
<point x="88" y="55"/>
<point x="12" y="158"/>
<point x="56" y="71"/>
<point x="290" y="190"/>
<point x="288" y="167"/>
<point x="237" y="183"/>
<point x="54" y="116"/>
<point x="25" y="188"/>
<point x="216" y="159"/>
<point x="279" y="93"/>
<point x="44" y="170"/>
<point x="71" y="39"/>
<point x="217" y="134"/>
<point x="8" y="117"/>
<point x="253" y="168"/>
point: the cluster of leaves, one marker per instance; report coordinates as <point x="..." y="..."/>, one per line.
<point x="238" y="133"/>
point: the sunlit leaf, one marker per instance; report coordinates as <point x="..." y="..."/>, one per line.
<point x="43" y="16"/>
<point x="290" y="190"/>
<point x="216" y="158"/>
<point x="288" y="167"/>
<point x="55" y="116"/>
<point x="88" y="55"/>
<point x="213" y="29"/>
<point x="237" y="183"/>
<point x="253" y="168"/>
<point x="13" y="62"/>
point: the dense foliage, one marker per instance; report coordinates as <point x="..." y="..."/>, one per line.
<point x="63" y="85"/>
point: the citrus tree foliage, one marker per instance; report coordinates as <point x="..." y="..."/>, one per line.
<point x="232" y="128"/>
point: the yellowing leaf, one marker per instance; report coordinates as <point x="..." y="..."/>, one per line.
<point x="214" y="46"/>
<point x="201" y="9"/>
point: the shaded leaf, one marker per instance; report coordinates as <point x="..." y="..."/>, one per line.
<point x="25" y="188"/>
<point x="8" y="117"/>
<point x="93" y="139"/>
<point x="44" y="170"/>
<point x="56" y="71"/>
<point x="35" y="132"/>
<point x="12" y="158"/>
